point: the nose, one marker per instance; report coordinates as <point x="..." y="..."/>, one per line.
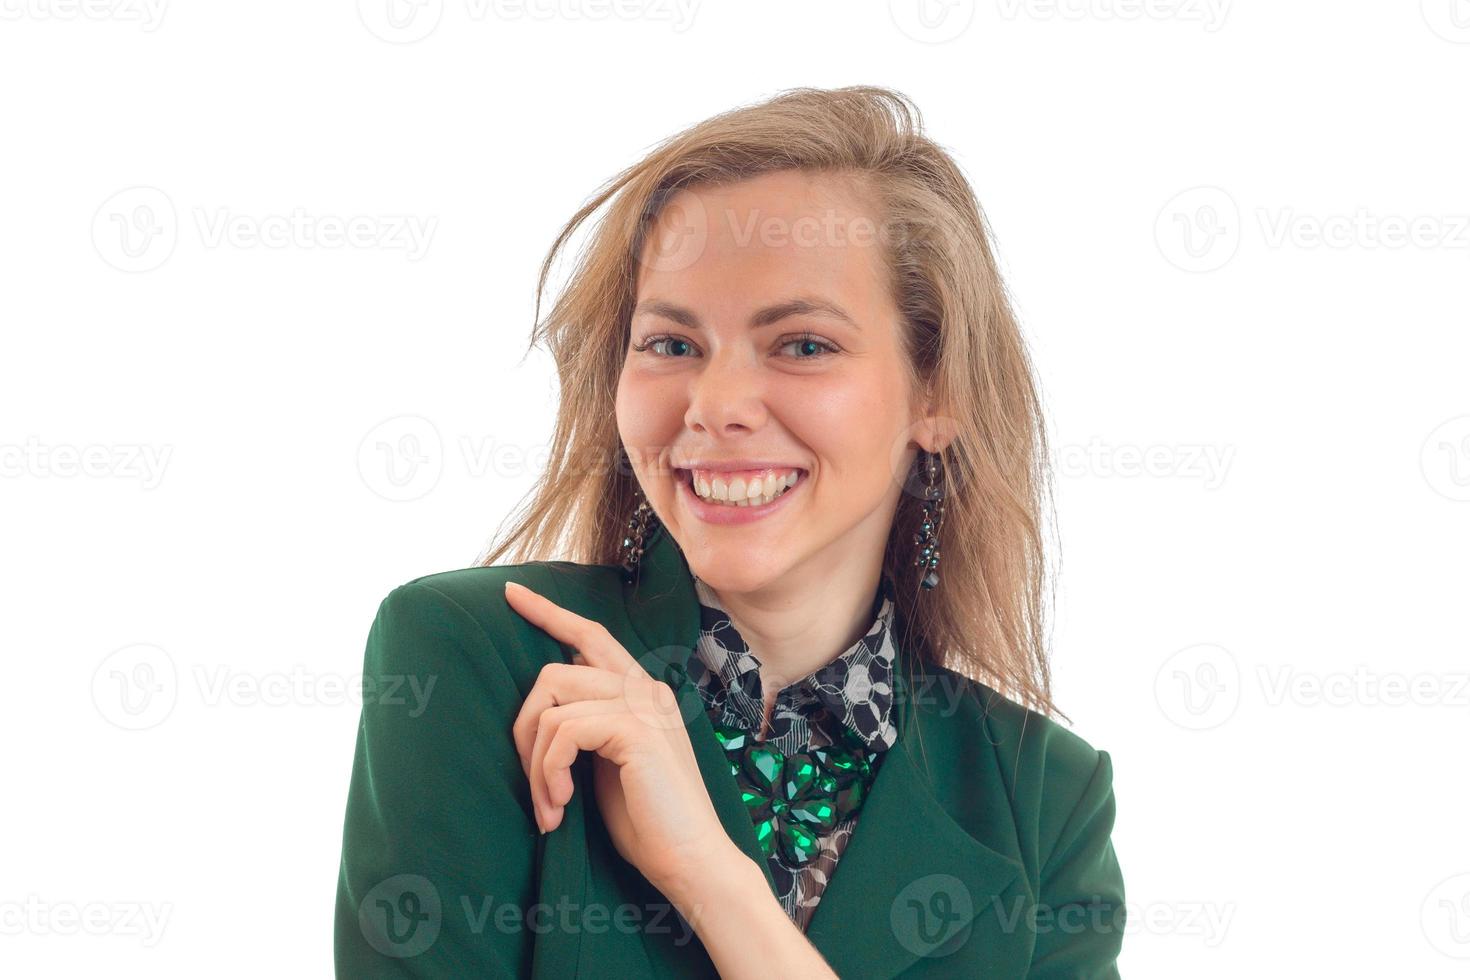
<point x="727" y="395"/>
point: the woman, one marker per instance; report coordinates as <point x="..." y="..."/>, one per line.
<point x="759" y="727"/>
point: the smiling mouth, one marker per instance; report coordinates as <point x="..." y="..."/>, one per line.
<point x="744" y="500"/>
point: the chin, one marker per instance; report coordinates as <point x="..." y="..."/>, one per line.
<point x="731" y="573"/>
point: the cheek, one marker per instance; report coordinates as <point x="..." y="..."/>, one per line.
<point x="852" y="428"/>
<point x="646" y="408"/>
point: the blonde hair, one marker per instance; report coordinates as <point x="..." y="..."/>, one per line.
<point x="961" y="339"/>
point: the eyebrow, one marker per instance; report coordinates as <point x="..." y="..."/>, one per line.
<point x="797" y="306"/>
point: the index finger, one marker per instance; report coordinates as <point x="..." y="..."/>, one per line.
<point x="588" y="637"/>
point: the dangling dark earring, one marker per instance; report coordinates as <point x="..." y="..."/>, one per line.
<point x="927" y="539"/>
<point x="639" y="526"/>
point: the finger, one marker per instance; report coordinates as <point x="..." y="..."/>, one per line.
<point x="551" y="786"/>
<point x="557" y="781"/>
<point x="559" y="683"/>
<point x="590" y="638"/>
<point x="588" y="726"/>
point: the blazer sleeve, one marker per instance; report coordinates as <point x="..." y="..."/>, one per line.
<point x="439" y="831"/>
<point x="1081" y="914"/>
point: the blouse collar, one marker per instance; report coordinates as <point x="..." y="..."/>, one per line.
<point x="856" y="687"/>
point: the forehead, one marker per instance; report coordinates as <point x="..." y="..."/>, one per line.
<point x="738" y="245"/>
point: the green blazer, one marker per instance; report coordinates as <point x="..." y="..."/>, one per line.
<point x="983" y="849"/>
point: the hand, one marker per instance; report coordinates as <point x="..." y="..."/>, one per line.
<point x="647" y="782"/>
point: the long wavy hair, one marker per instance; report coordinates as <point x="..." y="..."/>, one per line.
<point x="960" y="337"/>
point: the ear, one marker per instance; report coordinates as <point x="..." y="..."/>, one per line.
<point x="934" y="430"/>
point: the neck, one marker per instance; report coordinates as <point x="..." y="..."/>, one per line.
<point x="798" y="628"/>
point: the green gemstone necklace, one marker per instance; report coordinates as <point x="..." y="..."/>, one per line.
<point x="796" y="799"/>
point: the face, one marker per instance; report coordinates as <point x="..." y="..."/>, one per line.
<point x="764" y="338"/>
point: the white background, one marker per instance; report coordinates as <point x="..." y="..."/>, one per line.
<point x="1202" y="209"/>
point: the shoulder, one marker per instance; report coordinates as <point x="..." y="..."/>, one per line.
<point x="1056" y="784"/>
<point x="1057" y="820"/>
<point x="1035" y="748"/>
<point x="460" y="618"/>
<point x="1028" y="744"/>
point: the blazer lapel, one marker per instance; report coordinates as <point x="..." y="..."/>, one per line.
<point x="664" y="611"/>
<point x="912" y="882"/>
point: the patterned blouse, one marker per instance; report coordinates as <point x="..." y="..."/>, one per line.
<point x="854" y="690"/>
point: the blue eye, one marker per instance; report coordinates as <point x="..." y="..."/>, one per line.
<point x="808" y="342"/>
<point x="813" y="346"/>
<point x="654" y="341"/>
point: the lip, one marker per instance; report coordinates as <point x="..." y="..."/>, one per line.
<point x="736" y="465"/>
<point x="724" y="513"/>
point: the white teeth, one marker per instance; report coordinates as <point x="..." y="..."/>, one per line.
<point x="737" y="493"/>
